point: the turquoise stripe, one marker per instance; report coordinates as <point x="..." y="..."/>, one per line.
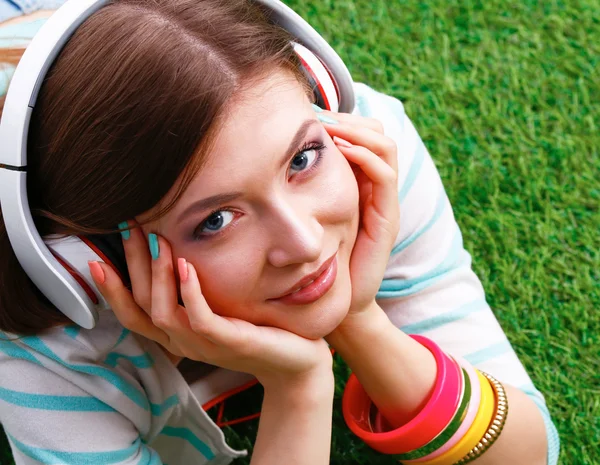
<point x="139" y="361"/>
<point x="445" y="318"/>
<point x="72" y="331"/>
<point x="401" y="287"/>
<point x="488" y="353"/>
<point x="123" y="335"/>
<point x="159" y="409"/>
<point x="551" y="433"/>
<point x="440" y="207"/>
<point x="363" y="105"/>
<point x="13" y="350"/>
<point x="413" y="171"/>
<point x="149" y="457"/>
<point x="186" y="434"/>
<point x="531" y="390"/>
<point x="109" y="376"/>
<point x="48" y="402"/>
<point x="56" y="457"/>
<point x="448" y="262"/>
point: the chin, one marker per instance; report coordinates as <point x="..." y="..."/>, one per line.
<point x="325" y="314"/>
<point x="324" y="321"/>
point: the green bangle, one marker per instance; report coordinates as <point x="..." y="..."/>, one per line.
<point x="447" y="433"/>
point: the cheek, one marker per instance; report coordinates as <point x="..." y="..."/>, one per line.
<point x="227" y="277"/>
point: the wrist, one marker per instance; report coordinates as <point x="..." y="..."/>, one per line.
<point x="359" y="327"/>
<point x="396" y="371"/>
<point x="304" y="389"/>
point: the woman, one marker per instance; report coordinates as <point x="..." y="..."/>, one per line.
<point x="257" y="229"/>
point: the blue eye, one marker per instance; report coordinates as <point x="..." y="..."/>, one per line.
<point x="214" y="223"/>
<point x="307" y="157"/>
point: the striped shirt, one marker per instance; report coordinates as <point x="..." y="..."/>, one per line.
<point x="109" y="396"/>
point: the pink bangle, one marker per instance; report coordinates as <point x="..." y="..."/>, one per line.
<point x="469" y="417"/>
<point x="429" y="422"/>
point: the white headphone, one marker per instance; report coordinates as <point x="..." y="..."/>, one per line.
<point x="58" y="267"/>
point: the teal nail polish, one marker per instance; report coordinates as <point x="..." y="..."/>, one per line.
<point x="317" y="108"/>
<point x="126" y="233"/>
<point x="325" y="119"/>
<point x="153" y="243"/>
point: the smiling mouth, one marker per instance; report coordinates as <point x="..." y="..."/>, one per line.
<point x="312" y="287"/>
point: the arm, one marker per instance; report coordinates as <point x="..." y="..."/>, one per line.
<point x="399" y="384"/>
<point x="429" y="288"/>
<point x="295" y="423"/>
<point x="49" y="419"/>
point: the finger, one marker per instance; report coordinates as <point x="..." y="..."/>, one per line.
<point x="127" y="311"/>
<point x="202" y="319"/>
<point x="138" y="263"/>
<point x="164" y="288"/>
<point x="383" y="146"/>
<point x="357" y="120"/>
<point x="382" y="176"/>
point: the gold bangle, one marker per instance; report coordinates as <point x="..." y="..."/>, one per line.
<point x="496" y="426"/>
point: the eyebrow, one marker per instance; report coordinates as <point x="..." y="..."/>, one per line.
<point x="300" y="135"/>
<point x="215" y="200"/>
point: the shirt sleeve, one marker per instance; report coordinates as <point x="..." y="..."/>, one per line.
<point x="429" y="287"/>
<point x="50" y="420"/>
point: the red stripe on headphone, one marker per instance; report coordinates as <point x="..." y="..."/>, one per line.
<point x="335" y="86"/>
<point x="321" y="90"/>
<point x="101" y="255"/>
<point x="86" y="287"/>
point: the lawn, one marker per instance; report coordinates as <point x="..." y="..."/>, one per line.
<point x="505" y="98"/>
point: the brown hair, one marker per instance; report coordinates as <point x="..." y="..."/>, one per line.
<point x="126" y="110"/>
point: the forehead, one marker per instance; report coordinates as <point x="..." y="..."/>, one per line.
<point x="266" y="114"/>
<point x="257" y="129"/>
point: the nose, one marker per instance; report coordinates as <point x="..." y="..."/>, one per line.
<point x="297" y="236"/>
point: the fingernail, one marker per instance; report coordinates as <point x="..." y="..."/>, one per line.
<point x="342" y="142"/>
<point x="317" y="108"/>
<point x="326" y="120"/>
<point x="183" y="269"/>
<point x="153" y="243"/>
<point x="125" y="233"/>
<point x="97" y="272"/>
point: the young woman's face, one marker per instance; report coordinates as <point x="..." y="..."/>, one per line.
<point x="275" y="202"/>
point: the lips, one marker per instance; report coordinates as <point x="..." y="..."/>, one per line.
<point x="313" y="286"/>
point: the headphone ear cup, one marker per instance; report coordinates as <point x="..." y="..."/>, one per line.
<point x="73" y="254"/>
<point x="326" y="91"/>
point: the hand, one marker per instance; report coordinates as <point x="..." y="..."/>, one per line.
<point x="374" y="159"/>
<point x="192" y="330"/>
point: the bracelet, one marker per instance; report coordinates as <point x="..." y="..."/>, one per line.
<point x="497" y="425"/>
<point x="476" y="432"/>
<point x="470" y="415"/>
<point x="425" y="426"/>
<point x="450" y="430"/>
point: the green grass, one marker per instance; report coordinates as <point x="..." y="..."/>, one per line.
<point x="505" y="96"/>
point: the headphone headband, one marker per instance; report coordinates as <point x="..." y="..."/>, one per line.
<point x="43" y="268"/>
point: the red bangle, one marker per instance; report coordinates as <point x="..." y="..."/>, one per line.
<point x="429" y="422"/>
